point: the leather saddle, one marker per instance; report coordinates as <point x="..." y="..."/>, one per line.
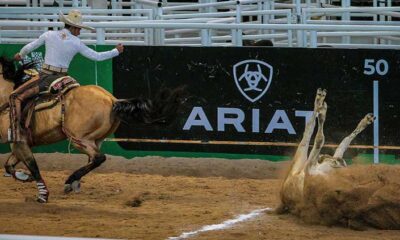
<point x="47" y="99"/>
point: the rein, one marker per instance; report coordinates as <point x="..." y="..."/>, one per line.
<point x="64" y="129"/>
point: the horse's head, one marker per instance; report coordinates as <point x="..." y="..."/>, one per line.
<point x="8" y="69"/>
<point x="11" y="77"/>
<point x="7" y="73"/>
<point x="10" y="72"/>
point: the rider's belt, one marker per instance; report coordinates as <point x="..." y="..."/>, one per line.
<point x="54" y="69"/>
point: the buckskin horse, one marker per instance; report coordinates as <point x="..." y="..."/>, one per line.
<point x="321" y="189"/>
<point x="85" y="115"/>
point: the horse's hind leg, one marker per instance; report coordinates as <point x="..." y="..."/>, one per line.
<point x="300" y="157"/>
<point x="367" y="120"/>
<point x="319" y="137"/>
<point x="96" y="158"/>
<point x="23" y="152"/>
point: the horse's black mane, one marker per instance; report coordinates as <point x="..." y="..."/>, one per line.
<point x="14" y="73"/>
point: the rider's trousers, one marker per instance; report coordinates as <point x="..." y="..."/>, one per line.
<point x="27" y="90"/>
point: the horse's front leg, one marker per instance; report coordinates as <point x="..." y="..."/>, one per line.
<point x="367" y="120"/>
<point x="10" y="164"/>
<point x="19" y="175"/>
<point x="23" y="152"/>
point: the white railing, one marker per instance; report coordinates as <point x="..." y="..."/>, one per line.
<point x="345" y="13"/>
<point x="310" y="31"/>
<point x="263" y="16"/>
<point x="157" y="37"/>
<point x="42" y="3"/>
<point x="85" y="11"/>
<point x="299" y="23"/>
<point x="14" y="34"/>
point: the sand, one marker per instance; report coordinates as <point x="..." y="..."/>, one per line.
<point x="158" y="198"/>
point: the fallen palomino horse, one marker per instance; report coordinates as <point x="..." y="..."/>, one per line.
<point x="85" y="115"/>
<point x="321" y="189"/>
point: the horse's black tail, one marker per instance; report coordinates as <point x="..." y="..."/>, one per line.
<point x="162" y="109"/>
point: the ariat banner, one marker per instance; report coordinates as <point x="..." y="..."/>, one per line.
<point x="258" y="100"/>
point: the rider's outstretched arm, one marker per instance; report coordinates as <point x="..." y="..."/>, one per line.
<point x="97" y="56"/>
<point x="33" y="45"/>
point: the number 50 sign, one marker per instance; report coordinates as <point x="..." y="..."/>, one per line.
<point x="380" y="67"/>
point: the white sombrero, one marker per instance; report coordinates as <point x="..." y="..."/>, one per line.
<point x="74" y="18"/>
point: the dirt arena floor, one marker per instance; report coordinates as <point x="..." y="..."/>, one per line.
<point x="158" y="198"/>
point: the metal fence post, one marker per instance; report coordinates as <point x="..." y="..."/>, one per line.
<point x="100" y="36"/>
<point x="205" y="37"/>
<point x="303" y="41"/>
<point x="299" y="33"/>
<point x="289" y="32"/>
<point x="346" y="17"/>
<point x="313" y="39"/>
<point x="159" y="34"/>
<point x="238" y="19"/>
<point x="266" y="17"/>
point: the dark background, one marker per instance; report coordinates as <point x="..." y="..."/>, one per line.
<point x="207" y="72"/>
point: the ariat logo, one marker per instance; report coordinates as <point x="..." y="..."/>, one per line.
<point x="253" y="78"/>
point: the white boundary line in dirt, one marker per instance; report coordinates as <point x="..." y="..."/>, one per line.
<point x="223" y="225"/>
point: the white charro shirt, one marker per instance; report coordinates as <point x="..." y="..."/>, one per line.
<point x="62" y="46"/>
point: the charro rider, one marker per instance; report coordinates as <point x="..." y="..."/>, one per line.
<point x="61" y="47"/>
